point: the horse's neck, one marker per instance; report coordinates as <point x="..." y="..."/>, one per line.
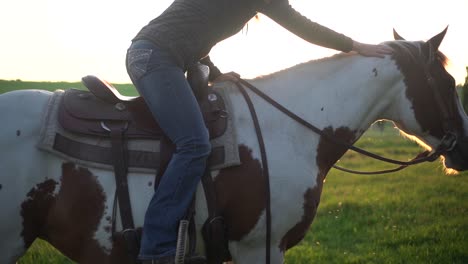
<point x="346" y="91"/>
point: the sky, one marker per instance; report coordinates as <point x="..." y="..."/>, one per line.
<point x="62" y="40"/>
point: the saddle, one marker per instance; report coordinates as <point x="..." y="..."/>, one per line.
<point x="103" y="112"/>
<point x="103" y="109"/>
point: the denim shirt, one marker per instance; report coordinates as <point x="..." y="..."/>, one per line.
<point x="190" y="28"/>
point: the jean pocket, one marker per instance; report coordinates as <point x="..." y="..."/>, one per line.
<point x="137" y="62"/>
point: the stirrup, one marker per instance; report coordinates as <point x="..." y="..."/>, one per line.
<point x="132" y="240"/>
<point x="182" y="242"/>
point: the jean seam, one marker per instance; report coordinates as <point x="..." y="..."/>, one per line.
<point x="150" y="257"/>
<point x="137" y="62"/>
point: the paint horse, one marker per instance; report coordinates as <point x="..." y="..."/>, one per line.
<point x="44" y="196"/>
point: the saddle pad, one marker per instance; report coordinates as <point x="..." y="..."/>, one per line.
<point x="143" y="154"/>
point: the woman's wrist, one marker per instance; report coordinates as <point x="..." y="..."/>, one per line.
<point x="370" y="50"/>
<point x="356" y="46"/>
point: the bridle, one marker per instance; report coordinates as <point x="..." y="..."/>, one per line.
<point x="448" y="113"/>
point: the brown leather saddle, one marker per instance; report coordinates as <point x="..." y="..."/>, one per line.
<point x="103" y="112"/>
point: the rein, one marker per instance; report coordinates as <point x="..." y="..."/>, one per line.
<point x="265" y="170"/>
<point x="447" y="143"/>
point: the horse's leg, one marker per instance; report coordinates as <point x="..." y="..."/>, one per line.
<point x="20" y="172"/>
<point x="245" y="253"/>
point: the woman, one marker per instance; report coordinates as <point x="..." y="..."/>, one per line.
<point x="156" y="62"/>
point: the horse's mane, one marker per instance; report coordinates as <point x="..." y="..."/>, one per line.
<point x="415" y="49"/>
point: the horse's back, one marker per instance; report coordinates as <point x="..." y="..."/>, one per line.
<point x="22" y="108"/>
<point x="23" y="99"/>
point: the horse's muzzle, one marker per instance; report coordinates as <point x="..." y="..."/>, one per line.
<point x="457" y="158"/>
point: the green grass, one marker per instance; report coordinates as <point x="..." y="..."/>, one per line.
<point x="42" y="252"/>
<point x="418" y="215"/>
<point x="6" y="86"/>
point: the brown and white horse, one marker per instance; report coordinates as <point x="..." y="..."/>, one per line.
<point x="70" y="206"/>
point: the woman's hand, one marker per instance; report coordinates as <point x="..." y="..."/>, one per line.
<point x="370" y="50"/>
<point x="230" y="76"/>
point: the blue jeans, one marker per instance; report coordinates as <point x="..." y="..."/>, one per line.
<point x="162" y="83"/>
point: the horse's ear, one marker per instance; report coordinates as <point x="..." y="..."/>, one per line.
<point x="435" y="41"/>
<point x="397" y="36"/>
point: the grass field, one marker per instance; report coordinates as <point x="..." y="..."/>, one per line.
<point x="418" y="215"/>
<point x="6" y="86"/>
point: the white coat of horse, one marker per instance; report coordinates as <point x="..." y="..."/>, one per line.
<point x="42" y="195"/>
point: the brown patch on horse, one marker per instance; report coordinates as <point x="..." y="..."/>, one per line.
<point x="76" y="214"/>
<point x="241" y="194"/>
<point x="297" y="232"/>
<point x="327" y="154"/>
<point x="69" y="219"/>
<point x="34" y="210"/>
<point x="418" y="90"/>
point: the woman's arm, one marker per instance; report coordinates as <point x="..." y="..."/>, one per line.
<point x="216" y="75"/>
<point x="283" y="13"/>
<point x="214" y="71"/>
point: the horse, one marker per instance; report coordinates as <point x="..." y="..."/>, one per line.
<point x="69" y="205"/>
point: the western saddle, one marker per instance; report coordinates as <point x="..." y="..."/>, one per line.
<point x="104" y="112"/>
<point x="103" y="109"/>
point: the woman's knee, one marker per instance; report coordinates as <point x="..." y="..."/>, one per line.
<point x="198" y="145"/>
<point x="204" y="149"/>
